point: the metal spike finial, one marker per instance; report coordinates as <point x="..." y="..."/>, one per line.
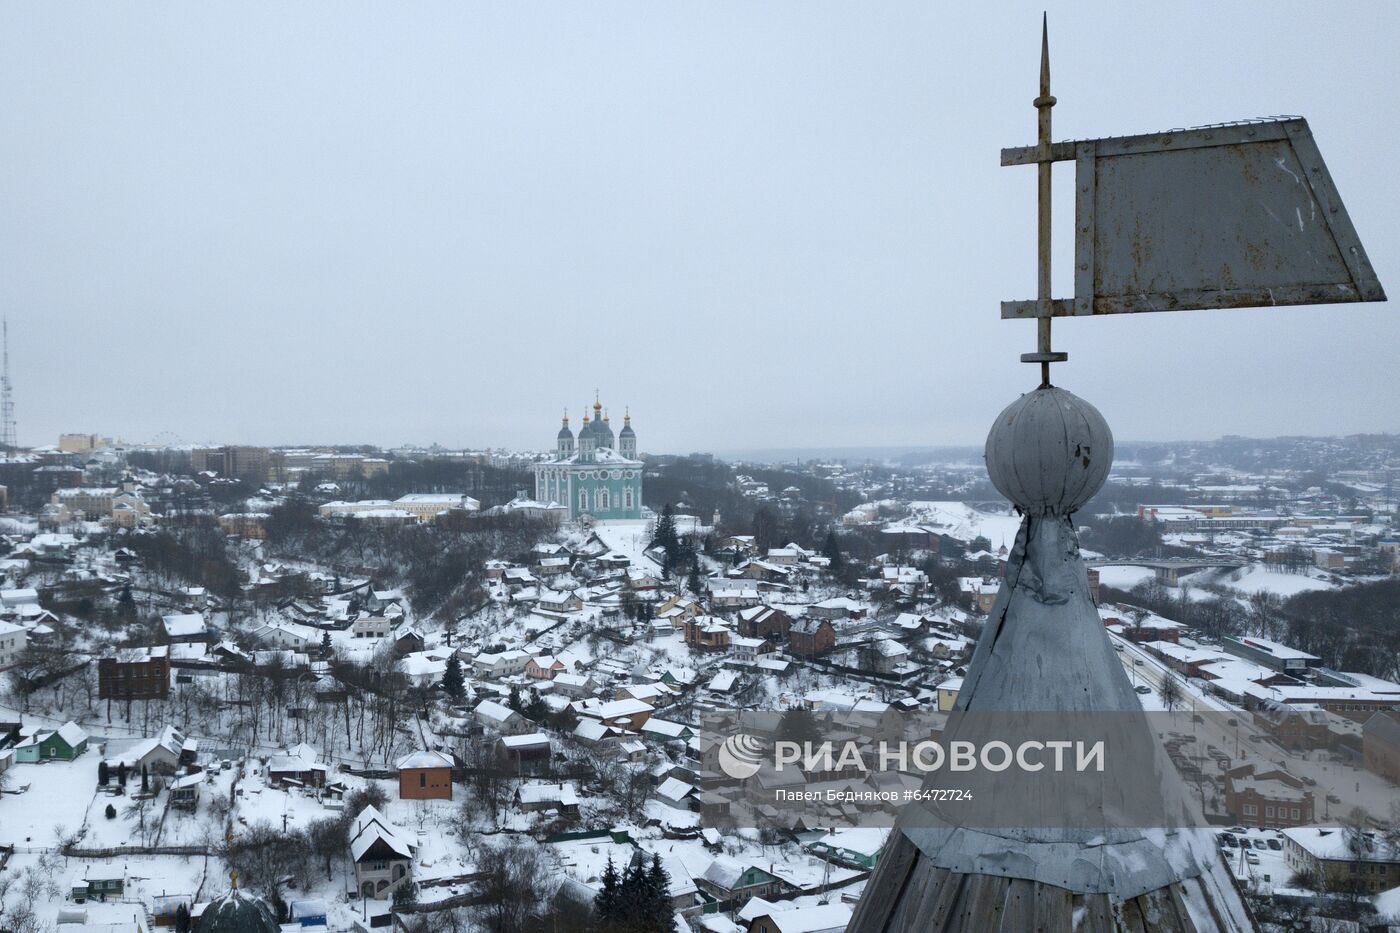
<point x="1044" y="355"/>
<point x="1045" y="55"/>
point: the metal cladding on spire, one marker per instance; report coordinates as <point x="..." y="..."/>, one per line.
<point x="938" y="873"/>
<point x="237" y="912"/>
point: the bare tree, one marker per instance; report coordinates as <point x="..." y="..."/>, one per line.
<point x="511" y="877"/>
<point x="1169" y="691"/>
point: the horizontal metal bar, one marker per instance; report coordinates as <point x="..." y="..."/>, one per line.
<point x="1030" y="155"/>
<point x="1204" y="137"/>
<point x="1053" y="357"/>
<point x="1227" y="135"/>
<point x="1200" y="299"/>
<point x="1204" y="299"/>
<point x="1059" y="307"/>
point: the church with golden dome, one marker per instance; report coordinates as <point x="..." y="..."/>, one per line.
<point x="598" y="475"/>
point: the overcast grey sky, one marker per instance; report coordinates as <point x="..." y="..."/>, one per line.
<point x="760" y="225"/>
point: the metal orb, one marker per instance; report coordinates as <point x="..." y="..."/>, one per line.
<point x="1049" y="452"/>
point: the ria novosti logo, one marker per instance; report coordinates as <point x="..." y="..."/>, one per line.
<point x="741" y="755"/>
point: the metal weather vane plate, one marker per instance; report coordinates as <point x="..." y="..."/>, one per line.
<point x="1231" y="216"/>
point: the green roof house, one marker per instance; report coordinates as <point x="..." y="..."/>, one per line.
<point x="63" y="744"/>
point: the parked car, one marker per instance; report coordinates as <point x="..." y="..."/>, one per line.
<point x="1252" y="859"/>
<point x="1142" y="689"/>
<point x="1275" y="845"/>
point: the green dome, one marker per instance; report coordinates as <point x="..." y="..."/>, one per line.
<point x="237" y="912"/>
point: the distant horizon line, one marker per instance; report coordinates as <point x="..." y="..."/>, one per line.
<point x="727" y="453"/>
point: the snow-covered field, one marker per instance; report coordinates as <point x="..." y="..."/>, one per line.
<point x="1259" y="579"/>
<point x="1124" y="578"/>
<point x="962" y="521"/>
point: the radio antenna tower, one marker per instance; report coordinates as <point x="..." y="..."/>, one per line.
<point x="7" y="401"/>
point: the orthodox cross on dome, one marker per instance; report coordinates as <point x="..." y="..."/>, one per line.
<point x="1230" y="215"/>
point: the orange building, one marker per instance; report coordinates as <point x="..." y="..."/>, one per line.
<point x="425" y="776"/>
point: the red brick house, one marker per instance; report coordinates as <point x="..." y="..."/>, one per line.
<point x="765" y="622"/>
<point x="1267" y="798"/>
<point x="425" y="776"/>
<point x="810" y="637"/>
<point x="134" y="674"/>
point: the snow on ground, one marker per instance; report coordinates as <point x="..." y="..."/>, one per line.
<point x="58" y="794"/>
<point x="1388" y="904"/>
<point x="147" y="876"/>
<point x="1256" y="578"/>
<point x="965" y="523"/>
<point x="430" y="823"/>
<point x="1124" y="578"/>
<point x="1272" y="874"/>
<point x="629" y="538"/>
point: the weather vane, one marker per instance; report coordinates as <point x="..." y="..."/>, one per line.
<point x="1232" y="215"/>
<point x="1228" y="216"/>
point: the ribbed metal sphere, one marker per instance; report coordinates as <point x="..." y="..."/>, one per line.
<point x="1049" y="452"/>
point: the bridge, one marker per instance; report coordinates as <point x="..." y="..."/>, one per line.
<point x="1170" y="570"/>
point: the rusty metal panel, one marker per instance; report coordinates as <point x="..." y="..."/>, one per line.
<point x="1232" y="216"/>
<point x="1084" y="193"/>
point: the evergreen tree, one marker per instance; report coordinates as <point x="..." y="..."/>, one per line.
<point x="405" y="894"/>
<point x="832" y="551"/>
<point x="799" y="725"/>
<point x="126" y="604"/>
<point x="632" y="900"/>
<point x="536" y="710"/>
<point x="145" y="781"/>
<point x="182" y="919"/>
<point x="662" y="916"/>
<point x="325" y="644"/>
<point x="453" y="683"/>
<point x="121" y="774"/>
<point x="696" y="582"/>
<point x="102" y="774"/>
<point x="513" y="701"/>
<point x="606" y="900"/>
<point x="666" y="530"/>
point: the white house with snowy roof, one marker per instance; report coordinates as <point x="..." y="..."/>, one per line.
<point x="382" y="854"/>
